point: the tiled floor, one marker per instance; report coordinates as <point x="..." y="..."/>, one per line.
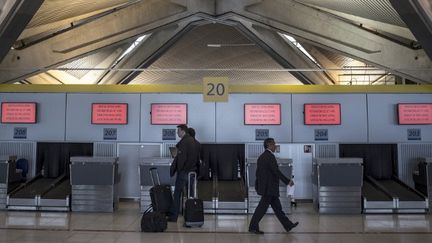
<point x="124" y="226"/>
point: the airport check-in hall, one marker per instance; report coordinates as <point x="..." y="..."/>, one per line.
<point x="322" y="109"/>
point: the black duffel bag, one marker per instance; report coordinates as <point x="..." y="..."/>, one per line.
<point x="153" y="221"/>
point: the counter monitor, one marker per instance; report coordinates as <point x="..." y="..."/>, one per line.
<point x="109" y="114"/>
<point x="19" y="112"/>
<point x="262" y="114"/>
<point x="322" y="114"/>
<point x="168" y="113"/>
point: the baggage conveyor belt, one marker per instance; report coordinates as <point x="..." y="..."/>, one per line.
<point x="391" y="195"/>
<point x="28" y="196"/>
<point x="231" y="197"/>
<point x="401" y="191"/>
<point x="223" y="196"/>
<point x="206" y="192"/>
<point x="376" y="200"/>
<point x="408" y="199"/>
<point x="58" y="198"/>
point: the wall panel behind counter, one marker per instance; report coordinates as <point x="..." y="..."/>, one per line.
<point x="78" y="117"/>
<point x="230" y="126"/>
<point x="383" y="118"/>
<point x="50" y="124"/>
<point x="353" y="127"/>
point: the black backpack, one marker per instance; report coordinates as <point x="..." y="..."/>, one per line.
<point x="153" y="221"/>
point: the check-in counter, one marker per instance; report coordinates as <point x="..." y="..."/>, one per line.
<point x="163" y="167"/>
<point x="94" y="183"/>
<point x="285" y="166"/>
<point x="8" y="177"/>
<point x="337" y="185"/>
<point x="423" y="179"/>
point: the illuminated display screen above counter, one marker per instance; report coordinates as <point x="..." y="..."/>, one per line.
<point x="262" y="114"/>
<point x="19" y="112"/>
<point x="322" y="114"/>
<point x="109" y="114"/>
<point x="415" y="114"/>
<point x="168" y="113"/>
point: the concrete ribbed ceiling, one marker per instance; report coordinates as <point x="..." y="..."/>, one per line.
<point x="185" y="60"/>
<point x="379" y="10"/>
<point x="192" y="52"/>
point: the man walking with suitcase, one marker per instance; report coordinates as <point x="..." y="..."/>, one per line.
<point x="267" y="186"/>
<point x="186" y="161"/>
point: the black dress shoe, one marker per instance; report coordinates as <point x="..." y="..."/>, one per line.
<point x="256" y="231"/>
<point x="292" y="226"/>
<point x="294" y="204"/>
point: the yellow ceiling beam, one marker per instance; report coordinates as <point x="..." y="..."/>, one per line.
<point x="170" y="88"/>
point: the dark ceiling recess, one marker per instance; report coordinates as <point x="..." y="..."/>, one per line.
<point x="15" y="22"/>
<point x="417" y="20"/>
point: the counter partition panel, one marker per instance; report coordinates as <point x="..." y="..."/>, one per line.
<point x="285" y="166"/>
<point x="337" y="185"/>
<point x="8" y="178"/>
<point x="94" y="183"/>
<point x="162" y="164"/>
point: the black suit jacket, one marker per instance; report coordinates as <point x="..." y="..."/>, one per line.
<point x="268" y="175"/>
<point x="187" y="154"/>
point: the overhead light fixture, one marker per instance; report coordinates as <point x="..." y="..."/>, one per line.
<point x="230" y="45"/>
<point x="214" y="45"/>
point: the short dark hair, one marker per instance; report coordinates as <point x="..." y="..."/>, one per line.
<point x="268" y="141"/>
<point x="183" y="127"/>
<point x="191" y="132"/>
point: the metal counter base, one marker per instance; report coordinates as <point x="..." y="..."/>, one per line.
<point x="28" y="204"/>
<point x="92" y="198"/>
<point x="254" y="199"/>
<point x="224" y="207"/>
<point x="379" y="206"/>
<point x="54" y="204"/>
<point x="37" y="203"/>
<point x="342" y="200"/>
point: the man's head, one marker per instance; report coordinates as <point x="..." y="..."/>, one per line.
<point x="181" y="130"/>
<point x="269" y="143"/>
<point x="191" y="132"/>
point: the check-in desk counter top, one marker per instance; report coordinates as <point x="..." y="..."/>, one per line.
<point x="163" y="167"/>
<point x="94" y="183"/>
<point x="285" y="166"/>
<point x="337" y="185"/>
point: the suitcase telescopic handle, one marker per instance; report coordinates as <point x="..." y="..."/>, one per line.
<point x="152" y="175"/>
<point x="194" y="175"/>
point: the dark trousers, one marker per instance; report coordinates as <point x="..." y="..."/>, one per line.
<point x="261" y="209"/>
<point x="180" y="184"/>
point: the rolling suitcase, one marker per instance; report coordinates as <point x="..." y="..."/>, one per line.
<point x="161" y="195"/>
<point x="194" y="208"/>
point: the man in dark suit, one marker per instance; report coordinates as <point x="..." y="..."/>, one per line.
<point x="192" y="133"/>
<point x="267" y="186"/>
<point x="186" y="161"/>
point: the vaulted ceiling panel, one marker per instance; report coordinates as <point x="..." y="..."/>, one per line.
<point x="56" y="10"/>
<point x="192" y="39"/>
<point x="80" y="67"/>
<point x="215" y="46"/>
<point x="379" y="10"/>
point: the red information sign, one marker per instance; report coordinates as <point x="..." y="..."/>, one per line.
<point x="262" y="114"/>
<point x="415" y="114"/>
<point x="109" y="113"/>
<point x="168" y="114"/>
<point x="322" y="114"/>
<point x="18" y="112"/>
